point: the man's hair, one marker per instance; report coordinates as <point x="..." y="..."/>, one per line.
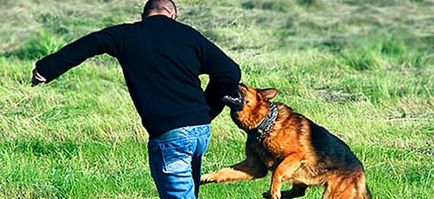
<point x="158" y="5"/>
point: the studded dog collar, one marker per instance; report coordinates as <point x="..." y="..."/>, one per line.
<point x="261" y="131"/>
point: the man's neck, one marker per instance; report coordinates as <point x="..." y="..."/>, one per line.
<point x="158" y="13"/>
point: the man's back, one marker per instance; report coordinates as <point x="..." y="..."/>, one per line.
<point x="161" y="60"/>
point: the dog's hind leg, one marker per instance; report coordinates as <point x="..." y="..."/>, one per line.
<point x="352" y="186"/>
<point x="248" y="169"/>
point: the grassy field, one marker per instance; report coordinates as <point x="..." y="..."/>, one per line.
<point x="362" y="68"/>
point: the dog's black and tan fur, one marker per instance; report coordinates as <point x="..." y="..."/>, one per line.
<point x="295" y="149"/>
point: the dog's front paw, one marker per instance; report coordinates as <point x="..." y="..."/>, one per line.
<point x="266" y="195"/>
<point x="272" y="195"/>
<point x="207" y="178"/>
<point x="284" y="195"/>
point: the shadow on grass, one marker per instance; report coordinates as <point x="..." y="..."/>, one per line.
<point x="40" y="148"/>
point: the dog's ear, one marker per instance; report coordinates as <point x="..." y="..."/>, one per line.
<point x="269" y="93"/>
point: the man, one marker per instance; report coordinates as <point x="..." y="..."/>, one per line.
<point x="161" y="60"/>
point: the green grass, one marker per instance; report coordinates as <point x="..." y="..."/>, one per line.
<point x="363" y="69"/>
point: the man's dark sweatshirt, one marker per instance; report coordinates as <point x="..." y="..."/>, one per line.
<point x="161" y="60"/>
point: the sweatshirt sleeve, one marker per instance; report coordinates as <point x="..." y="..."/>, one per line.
<point x="224" y="76"/>
<point x="105" y="41"/>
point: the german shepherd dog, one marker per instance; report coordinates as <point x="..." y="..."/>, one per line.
<point x="293" y="147"/>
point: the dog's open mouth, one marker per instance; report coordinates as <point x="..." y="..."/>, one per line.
<point x="235" y="103"/>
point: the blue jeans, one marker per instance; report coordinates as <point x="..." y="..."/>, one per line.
<point x="175" y="159"/>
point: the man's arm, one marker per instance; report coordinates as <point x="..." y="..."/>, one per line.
<point x="224" y="75"/>
<point x="73" y="54"/>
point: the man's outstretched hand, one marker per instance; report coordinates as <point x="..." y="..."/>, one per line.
<point x="37" y="78"/>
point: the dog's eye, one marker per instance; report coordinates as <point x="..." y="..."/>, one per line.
<point x="247" y="101"/>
